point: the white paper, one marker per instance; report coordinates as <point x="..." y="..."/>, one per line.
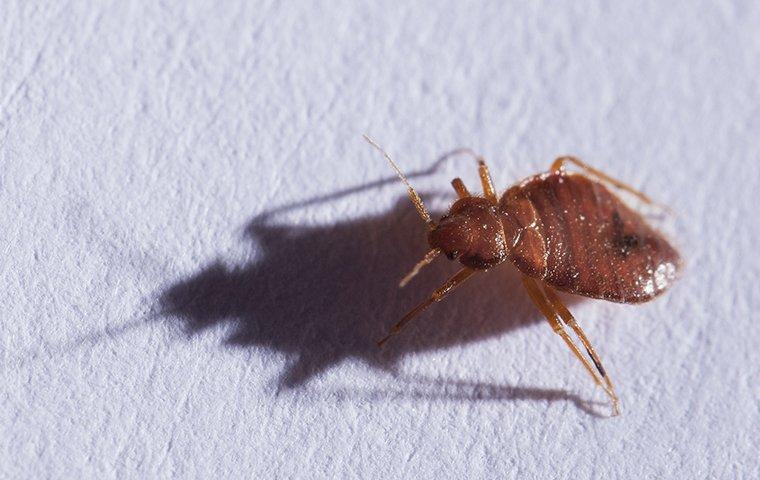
<point x="200" y="250"/>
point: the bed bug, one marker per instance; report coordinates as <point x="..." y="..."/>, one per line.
<point x="564" y="231"/>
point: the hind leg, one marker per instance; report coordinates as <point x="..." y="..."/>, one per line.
<point x="559" y="165"/>
<point x="569" y="320"/>
<point x="548" y="309"/>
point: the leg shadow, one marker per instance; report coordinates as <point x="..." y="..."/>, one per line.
<point x="325" y="294"/>
<point x="450" y="390"/>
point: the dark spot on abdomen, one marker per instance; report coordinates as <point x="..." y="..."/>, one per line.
<point x="623" y="243"/>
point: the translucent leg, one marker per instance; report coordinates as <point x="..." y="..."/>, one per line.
<point x="570" y="321"/>
<point x="547" y="309"/>
<point x="559" y="165"/>
<point x="485" y="178"/>
<point x="459" y="187"/>
<point x="485" y="175"/>
<point x="436" y="296"/>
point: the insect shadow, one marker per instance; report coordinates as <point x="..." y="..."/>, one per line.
<point x="325" y="294"/>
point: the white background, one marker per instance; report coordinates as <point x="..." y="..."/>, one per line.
<point x="198" y="249"/>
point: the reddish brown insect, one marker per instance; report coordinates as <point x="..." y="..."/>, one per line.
<point x="563" y="231"/>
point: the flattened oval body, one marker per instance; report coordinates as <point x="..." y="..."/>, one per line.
<point x="571" y="232"/>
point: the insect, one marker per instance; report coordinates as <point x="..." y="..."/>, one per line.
<point x="563" y="231"/>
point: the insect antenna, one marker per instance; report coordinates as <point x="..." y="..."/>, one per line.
<point x="429" y="257"/>
<point x="413" y="196"/>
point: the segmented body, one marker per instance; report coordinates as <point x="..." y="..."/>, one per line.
<point x="572" y="233"/>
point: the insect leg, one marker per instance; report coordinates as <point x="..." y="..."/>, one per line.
<point x="539" y="299"/>
<point x="559" y="165"/>
<point x="485" y="179"/>
<point x="485" y="176"/>
<point x="436" y="296"/>
<point x="459" y="187"/>
<point x="429" y="257"/>
<point x="570" y="321"/>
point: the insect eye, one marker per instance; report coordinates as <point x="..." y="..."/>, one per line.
<point x="453" y="254"/>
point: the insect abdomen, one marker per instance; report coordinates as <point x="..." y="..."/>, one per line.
<point x="571" y="232"/>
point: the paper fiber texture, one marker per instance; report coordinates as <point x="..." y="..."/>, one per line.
<point x="199" y="249"/>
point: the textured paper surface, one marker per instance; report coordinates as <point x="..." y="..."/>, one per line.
<point x="199" y="249"/>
